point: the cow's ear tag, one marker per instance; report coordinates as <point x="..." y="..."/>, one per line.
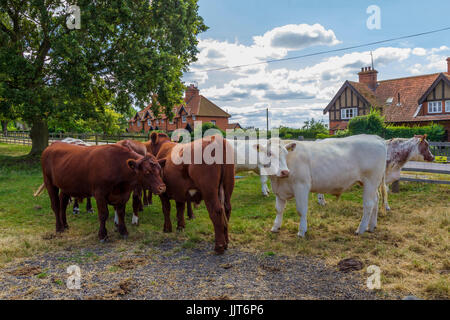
<point x="291" y="146"/>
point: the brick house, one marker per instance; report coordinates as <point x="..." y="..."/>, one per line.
<point x="195" y="108"/>
<point x="417" y="100"/>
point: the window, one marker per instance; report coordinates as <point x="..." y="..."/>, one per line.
<point x="193" y="117"/>
<point x="213" y="122"/>
<point x="138" y="123"/>
<point x="183" y="119"/>
<point x="349" y="113"/>
<point x="171" y="121"/>
<point x="162" y="121"/>
<point x="434" y="106"/>
<point x="157" y="121"/>
<point x="447" y="106"/>
<point x="149" y="122"/>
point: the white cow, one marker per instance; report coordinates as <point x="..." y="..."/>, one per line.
<point x="399" y="152"/>
<point x="331" y="166"/>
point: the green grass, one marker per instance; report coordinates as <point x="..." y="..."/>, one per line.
<point x="410" y="245"/>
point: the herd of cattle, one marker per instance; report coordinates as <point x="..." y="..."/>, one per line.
<point x="111" y="173"/>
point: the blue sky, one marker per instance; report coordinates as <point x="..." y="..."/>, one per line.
<point x="251" y="31"/>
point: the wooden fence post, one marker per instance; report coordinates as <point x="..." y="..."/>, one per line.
<point x="395" y="186"/>
<point x="96" y="139"/>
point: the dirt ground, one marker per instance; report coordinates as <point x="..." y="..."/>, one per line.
<point x="169" y="271"/>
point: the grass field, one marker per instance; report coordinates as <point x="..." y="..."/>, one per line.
<point x="410" y="245"/>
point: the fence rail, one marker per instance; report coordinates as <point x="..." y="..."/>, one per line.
<point x="23" y="137"/>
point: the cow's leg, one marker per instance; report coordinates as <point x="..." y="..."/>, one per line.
<point x="63" y="202"/>
<point x="301" y="200"/>
<point x="264" y="188"/>
<point x="102" y="208"/>
<point x="386" y="203"/>
<point x="89" y="208"/>
<point x="374" y="215"/>
<point x="227" y="206"/>
<point x="280" y="204"/>
<point x="149" y="197"/>
<point x="121" y="227"/>
<point x="321" y="199"/>
<point x="137" y="204"/>
<point x="369" y="196"/>
<point x="144" y="197"/>
<point x="218" y="218"/>
<point x="190" y="212"/>
<point x="54" y="199"/>
<point x="76" y="207"/>
<point x="165" y="201"/>
<point x="180" y="216"/>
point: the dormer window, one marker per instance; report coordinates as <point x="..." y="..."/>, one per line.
<point x="183" y="118"/>
<point x="435" y="107"/>
<point x="149" y="122"/>
<point x="349" y="113"/>
<point x="447" y="106"/>
<point x="390" y="100"/>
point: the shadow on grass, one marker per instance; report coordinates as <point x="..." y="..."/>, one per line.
<point x="19" y="163"/>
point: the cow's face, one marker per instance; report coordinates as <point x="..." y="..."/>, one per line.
<point x="423" y="149"/>
<point x="272" y="159"/>
<point x="148" y="170"/>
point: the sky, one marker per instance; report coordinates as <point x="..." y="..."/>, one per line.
<point x="252" y="31"/>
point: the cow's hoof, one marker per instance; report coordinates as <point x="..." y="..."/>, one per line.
<point x="66" y="227"/>
<point x="219" y="249"/>
<point x="135" y="220"/>
<point x="59" y="230"/>
<point x="91" y="211"/>
<point x="180" y="229"/>
<point x="76" y="211"/>
<point x="301" y="234"/>
<point x="191" y="218"/>
<point x="167" y="230"/>
<point x="275" y="230"/>
<point x="104" y="240"/>
<point x="124" y="236"/>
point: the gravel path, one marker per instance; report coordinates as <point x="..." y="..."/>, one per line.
<point x="167" y="271"/>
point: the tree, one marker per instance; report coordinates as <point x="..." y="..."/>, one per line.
<point x="127" y="52"/>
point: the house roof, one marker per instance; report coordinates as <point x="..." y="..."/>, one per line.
<point x="196" y="105"/>
<point x="234" y="125"/>
<point x="411" y="91"/>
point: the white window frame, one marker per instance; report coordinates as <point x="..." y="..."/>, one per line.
<point x="149" y="122"/>
<point x="345" y="115"/>
<point x="183" y="119"/>
<point x="138" y="124"/>
<point x="162" y="121"/>
<point x="447" y="106"/>
<point x="213" y="122"/>
<point x="157" y="121"/>
<point x="193" y="117"/>
<point x="433" y="104"/>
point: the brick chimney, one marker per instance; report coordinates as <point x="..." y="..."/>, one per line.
<point x="448" y="65"/>
<point x="368" y="76"/>
<point x="191" y="91"/>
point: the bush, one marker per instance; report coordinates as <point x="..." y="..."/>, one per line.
<point x="373" y="123"/>
<point x="435" y="132"/>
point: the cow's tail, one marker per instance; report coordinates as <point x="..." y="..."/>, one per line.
<point x="226" y="184"/>
<point x="383" y="194"/>
<point x="39" y="190"/>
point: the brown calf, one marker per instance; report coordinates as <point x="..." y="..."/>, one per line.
<point x="212" y="183"/>
<point x="109" y="173"/>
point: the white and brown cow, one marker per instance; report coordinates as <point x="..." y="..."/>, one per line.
<point x="330" y="166"/>
<point x="399" y="152"/>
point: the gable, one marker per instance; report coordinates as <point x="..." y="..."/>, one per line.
<point x="347" y="96"/>
<point x="439" y="90"/>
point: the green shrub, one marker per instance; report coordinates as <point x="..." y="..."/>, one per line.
<point x="373" y="123"/>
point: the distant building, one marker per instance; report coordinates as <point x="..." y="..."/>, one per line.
<point x="195" y="108"/>
<point x="417" y="100"/>
<point x="234" y="126"/>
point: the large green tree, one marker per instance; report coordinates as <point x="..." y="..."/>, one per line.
<point x="127" y="52"/>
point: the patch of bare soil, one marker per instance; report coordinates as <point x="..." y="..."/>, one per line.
<point x="169" y="271"/>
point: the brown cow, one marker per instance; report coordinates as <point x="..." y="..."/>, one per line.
<point x="213" y="183"/>
<point x="157" y="140"/>
<point x="108" y="172"/>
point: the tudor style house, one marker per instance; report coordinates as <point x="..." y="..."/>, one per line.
<point x="416" y="100"/>
<point x="195" y="108"/>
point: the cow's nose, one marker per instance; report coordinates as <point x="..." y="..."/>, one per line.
<point x="284" y="173"/>
<point x="162" y="188"/>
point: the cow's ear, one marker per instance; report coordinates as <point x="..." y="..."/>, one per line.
<point x="132" y="164"/>
<point x="290" y="146"/>
<point x="424" y="137"/>
<point x="162" y="162"/>
<point x="154" y="137"/>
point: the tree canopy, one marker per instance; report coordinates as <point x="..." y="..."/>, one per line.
<point x="127" y="52"/>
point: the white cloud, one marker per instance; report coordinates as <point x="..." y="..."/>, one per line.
<point x="296" y="37"/>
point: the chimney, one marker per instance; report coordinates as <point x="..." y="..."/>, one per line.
<point x="368" y="76"/>
<point x="191" y="91"/>
<point x="448" y="65"/>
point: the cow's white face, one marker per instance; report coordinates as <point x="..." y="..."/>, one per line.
<point x="272" y="159"/>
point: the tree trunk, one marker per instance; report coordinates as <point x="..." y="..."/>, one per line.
<point x="4" y="126"/>
<point x="39" y="136"/>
